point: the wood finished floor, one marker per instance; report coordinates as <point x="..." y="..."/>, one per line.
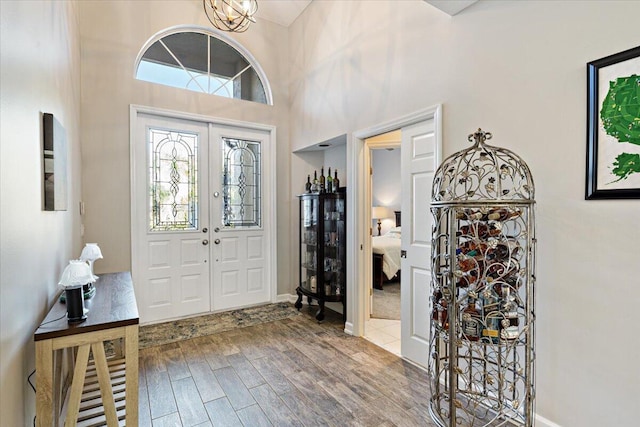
<point x="292" y="372"/>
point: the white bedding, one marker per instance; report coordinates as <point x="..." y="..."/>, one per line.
<point x="389" y="246"/>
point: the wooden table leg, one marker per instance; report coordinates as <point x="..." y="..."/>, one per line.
<point x="44" y="383"/>
<point x="75" y="395"/>
<point x="131" y="374"/>
<point x="104" y="379"/>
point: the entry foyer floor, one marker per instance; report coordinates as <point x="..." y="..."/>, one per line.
<point x="289" y="372"/>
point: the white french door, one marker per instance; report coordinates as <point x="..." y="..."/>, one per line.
<point x="169" y="219"/>
<point x="419" y="161"/>
<point x="202" y="216"/>
<point x="240" y="250"/>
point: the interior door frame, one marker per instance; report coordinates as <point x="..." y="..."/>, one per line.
<point x="359" y="214"/>
<point x="269" y="183"/>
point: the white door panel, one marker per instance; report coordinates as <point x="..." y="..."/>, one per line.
<point x="240" y="251"/>
<point x="419" y="162"/>
<point x="170" y="261"/>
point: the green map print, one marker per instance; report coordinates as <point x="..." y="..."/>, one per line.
<point x="620" y="116"/>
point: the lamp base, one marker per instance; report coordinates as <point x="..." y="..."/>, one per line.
<point x="77" y="319"/>
<point x="75" y="305"/>
<point x="88" y="292"/>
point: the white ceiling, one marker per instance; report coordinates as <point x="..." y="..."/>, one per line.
<point x="451" y="7"/>
<point x="282" y="12"/>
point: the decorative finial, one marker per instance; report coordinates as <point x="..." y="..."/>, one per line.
<point x="479" y="136"/>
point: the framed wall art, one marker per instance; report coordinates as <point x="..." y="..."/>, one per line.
<point x="613" y="126"/>
<point x="54" y="146"/>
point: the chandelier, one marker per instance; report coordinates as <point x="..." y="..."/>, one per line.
<point x="230" y="15"/>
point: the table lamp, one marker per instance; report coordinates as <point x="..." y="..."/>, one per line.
<point x="74" y="276"/>
<point x="380" y="212"/>
<point x="90" y="253"/>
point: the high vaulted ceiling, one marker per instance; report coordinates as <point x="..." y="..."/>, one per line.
<point x="284" y="12"/>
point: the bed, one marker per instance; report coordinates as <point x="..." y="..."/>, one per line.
<point x="386" y="255"/>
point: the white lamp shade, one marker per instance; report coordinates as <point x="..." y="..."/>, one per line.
<point x="77" y="273"/>
<point x="91" y="252"/>
<point x="380" y="212"/>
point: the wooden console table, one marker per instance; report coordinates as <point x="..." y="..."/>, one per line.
<point x="102" y="390"/>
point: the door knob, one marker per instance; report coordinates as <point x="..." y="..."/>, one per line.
<point x="217" y="241"/>
<point x="403" y="254"/>
<point x="205" y="242"/>
<point x="204" y="230"/>
<point x="216" y="194"/>
<point x="217" y="229"/>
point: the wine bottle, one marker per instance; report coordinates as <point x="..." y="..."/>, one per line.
<point x="322" y="187"/>
<point x="336" y="181"/>
<point x="307" y="186"/>
<point x="471" y="321"/>
<point x="329" y="182"/>
<point x="509" y="323"/>
<point x="490" y="314"/>
<point x="314" y="185"/>
<point x="442" y="314"/>
<point x="503" y="214"/>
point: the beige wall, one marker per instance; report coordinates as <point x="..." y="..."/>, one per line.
<point x="40" y="62"/>
<point x="516" y="69"/>
<point x="112" y="35"/>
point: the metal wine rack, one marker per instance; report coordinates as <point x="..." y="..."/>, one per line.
<point x="483" y="260"/>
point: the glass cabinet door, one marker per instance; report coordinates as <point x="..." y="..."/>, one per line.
<point x="333" y="214"/>
<point x="308" y="244"/>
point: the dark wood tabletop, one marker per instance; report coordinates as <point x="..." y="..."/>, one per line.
<point x="113" y="306"/>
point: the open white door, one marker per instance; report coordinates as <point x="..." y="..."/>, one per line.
<point x="419" y="162"/>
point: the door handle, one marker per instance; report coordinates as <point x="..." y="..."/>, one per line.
<point x="217" y="229"/>
<point x="205" y="242"/>
<point x="217" y="241"/>
<point x="403" y="254"/>
<point x="204" y="230"/>
<point x="216" y="194"/>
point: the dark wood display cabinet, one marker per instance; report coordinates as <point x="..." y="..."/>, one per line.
<point x="322" y="250"/>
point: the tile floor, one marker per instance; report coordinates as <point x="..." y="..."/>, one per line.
<point x="384" y="333"/>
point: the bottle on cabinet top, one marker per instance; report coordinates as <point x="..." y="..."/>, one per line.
<point x="323" y="183"/>
<point x="307" y="186"/>
<point x="322" y="180"/>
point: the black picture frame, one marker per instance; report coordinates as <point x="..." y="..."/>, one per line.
<point x="54" y="156"/>
<point x="595" y="130"/>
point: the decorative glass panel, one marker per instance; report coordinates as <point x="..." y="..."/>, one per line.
<point x="173" y="173"/>
<point x="241" y="190"/>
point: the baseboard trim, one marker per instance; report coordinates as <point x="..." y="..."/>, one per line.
<point x="348" y="328"/>
<point x="543" y="422"/>
<point x="287" y="298"/>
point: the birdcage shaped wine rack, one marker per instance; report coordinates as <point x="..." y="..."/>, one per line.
<point x="482" y="293"/>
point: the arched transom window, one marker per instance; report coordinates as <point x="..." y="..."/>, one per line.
<point x="203" y="60"/>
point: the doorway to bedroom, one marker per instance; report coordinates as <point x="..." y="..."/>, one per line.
<point x="421" y="143"/>
<point x="384" y="324"/>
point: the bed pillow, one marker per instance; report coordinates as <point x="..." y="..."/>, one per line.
<point x="394" y="232"/>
